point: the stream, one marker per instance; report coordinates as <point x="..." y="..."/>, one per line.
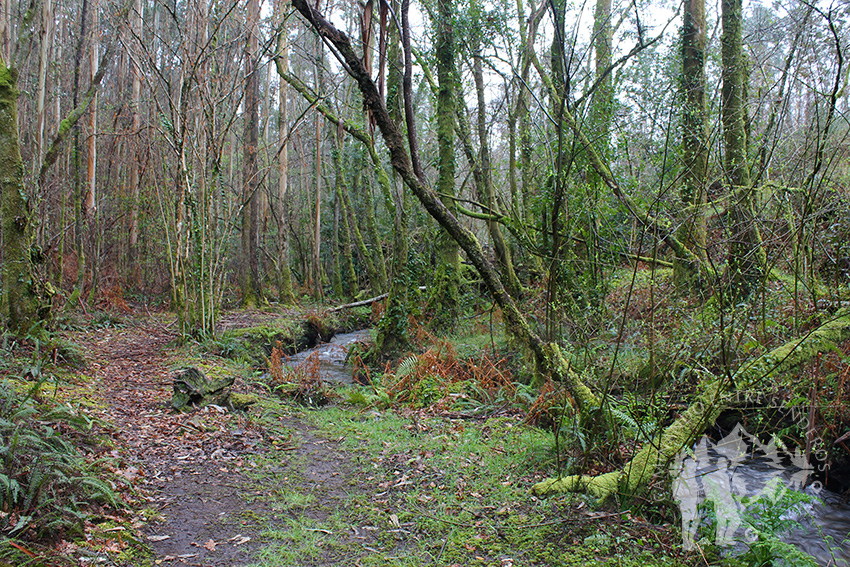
<point x="822" y="526"/>
<point x="331" y="357"/>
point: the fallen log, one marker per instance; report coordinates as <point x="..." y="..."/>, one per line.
<point x="701" y="414"/>
<point x="366" y="301"/>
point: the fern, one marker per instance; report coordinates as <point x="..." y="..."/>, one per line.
<point x="45" y="483"/>
<point x="406" y="367"/>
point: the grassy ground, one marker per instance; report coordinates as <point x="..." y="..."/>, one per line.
<point x="420" y="489"/>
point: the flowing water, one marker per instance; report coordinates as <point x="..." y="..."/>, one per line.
<point x="330" y="356"/>
<point x="822" y="525"/>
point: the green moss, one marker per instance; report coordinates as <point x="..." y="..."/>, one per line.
<point x="242" y="402"/>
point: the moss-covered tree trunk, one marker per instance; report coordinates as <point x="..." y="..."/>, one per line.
<point x="658" y="453"/>
<point x="348" y="276"/>
<point x="20" y="298"/>
<point x="393" y="338"/>
<point x="693" y="230"/>
<point x="747" y="257"/>
<point x="444" y="299"/>
<point x="377" y="277"/>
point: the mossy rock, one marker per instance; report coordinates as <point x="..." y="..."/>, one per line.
<point x="192" y="388"/>
<point x="241" y="402"/>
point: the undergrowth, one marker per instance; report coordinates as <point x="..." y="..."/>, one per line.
<point x="48" y="488"/>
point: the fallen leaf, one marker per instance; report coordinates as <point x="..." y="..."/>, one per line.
<point x="239" y="539"/>
<point x="210" y="545"/>
<point x="158" y="537"/>
<point x="394" y="520"/>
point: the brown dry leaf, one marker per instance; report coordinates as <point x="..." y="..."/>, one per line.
<point x="210" y="545"/>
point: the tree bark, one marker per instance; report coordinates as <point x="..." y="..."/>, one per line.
<point x="444" y="300"/>
<point x="135" y="181"/>
<point x="284" y="273"/>
<point x="20" y="290"/>
<point x="45" y="37"/>
<point x="251" y="289"/>
<point x="747" y="257"/>
<point x="693" y="230"/>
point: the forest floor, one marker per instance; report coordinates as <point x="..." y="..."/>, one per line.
<point x="345" y="484"/>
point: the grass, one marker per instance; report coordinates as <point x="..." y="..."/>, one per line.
<point x="426" y="489"/>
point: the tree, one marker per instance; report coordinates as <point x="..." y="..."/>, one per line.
<point x="747" y="257"/>
<point x="692" y="232"/>
<point x="21" y="290"/>
<point x="252" y="292"/>
<point x="445" y="293"/>
<point x="282" y="211"/>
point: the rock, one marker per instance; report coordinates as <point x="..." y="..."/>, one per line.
<point x="242" y="402"/>
<point x="193" y="389"/>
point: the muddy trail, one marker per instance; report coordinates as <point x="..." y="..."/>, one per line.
<point x="204" y="477"/>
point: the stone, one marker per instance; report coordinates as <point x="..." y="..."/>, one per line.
<point x="192" y="388"/>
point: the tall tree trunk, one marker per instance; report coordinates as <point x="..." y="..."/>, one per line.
<point x="344" y="210"/>
<point x="20" y="293"/>
<point x="503" y="253"/>
<point x="78" y="150"/>
<point x="316" y="266"/>
<point x="747" y="257"/>
<point x="693" y="229"/>
<point x="135" y="154"/>
<point x="317" y="215"/>
<point x="57" y="117"/>
<point x="90" y="210"/>
<point x="444" y="302"/>
<point x="251" y="289"/>
<point x="369" y="260"/>
<point x="393" y="337"/>
<point x="364" y="184"/>
<point x="45" y="37"/>
<point x="284" y="273"/>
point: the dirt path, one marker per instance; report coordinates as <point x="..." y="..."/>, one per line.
<point x="194" y="469"/>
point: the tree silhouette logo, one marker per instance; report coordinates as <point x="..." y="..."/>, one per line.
<point x="714" y="472"/>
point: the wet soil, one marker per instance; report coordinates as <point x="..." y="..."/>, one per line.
<point x="205" y="493"/>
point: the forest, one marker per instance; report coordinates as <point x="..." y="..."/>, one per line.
<point x="581" y="243"/>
